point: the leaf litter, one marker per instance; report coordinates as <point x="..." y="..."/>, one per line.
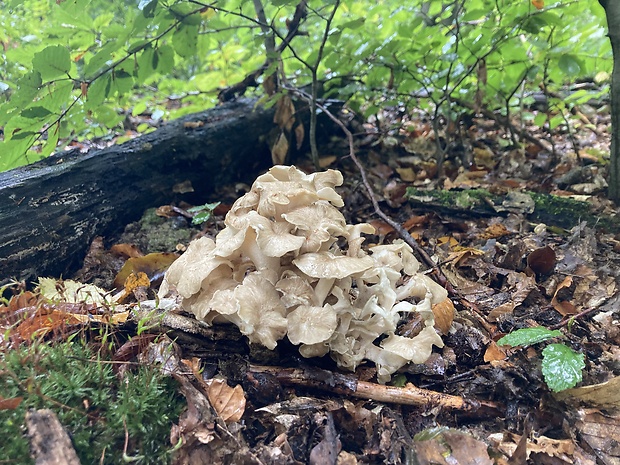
<point x="472" y="401"/>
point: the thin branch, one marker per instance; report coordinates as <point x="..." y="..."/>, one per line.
<point x="351" y="386"/>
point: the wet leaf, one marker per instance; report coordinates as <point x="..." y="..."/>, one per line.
<point x="562" y="367"/>
<point x="528" y="336"/>
<point x="153" y="265"/>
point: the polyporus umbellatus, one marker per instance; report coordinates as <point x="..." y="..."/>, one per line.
<point x="277" y="269"/>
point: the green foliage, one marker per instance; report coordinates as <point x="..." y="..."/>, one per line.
<point x="91" y="402"/>
<point x="74" y="68"/>
<point x="561" y="366"/>
<point x="202" y="213"/>
<point x="528" y="336"/>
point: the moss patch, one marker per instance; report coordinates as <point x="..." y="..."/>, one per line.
<point x="91" y="402"/>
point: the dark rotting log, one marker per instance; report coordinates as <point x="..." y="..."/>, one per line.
<point x="50" y="211"/>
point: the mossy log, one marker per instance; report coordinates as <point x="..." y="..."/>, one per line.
<point x="50" y="211"/>
<point x="561" y="212"/>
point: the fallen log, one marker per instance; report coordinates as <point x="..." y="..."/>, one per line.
<point x="51" y="211"/>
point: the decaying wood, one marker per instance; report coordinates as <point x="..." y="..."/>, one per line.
<point x="50" y="211"/>
<point x="49" y="442"/>
<point x="351" y="386"/>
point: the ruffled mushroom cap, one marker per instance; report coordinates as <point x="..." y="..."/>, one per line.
<point x="260" y="314"/>
<point x="311" y="325"/>
<point x="295" y="290"/>
<point x="328" y="265"/>
<point x="277" y="269"/>
<point x="191" y="268"/>
<point x="320" y="224"/>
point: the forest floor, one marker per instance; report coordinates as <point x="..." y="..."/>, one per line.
<point x="522" y="236"/>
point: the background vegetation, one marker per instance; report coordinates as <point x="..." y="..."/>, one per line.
<point x="77" y="69"/>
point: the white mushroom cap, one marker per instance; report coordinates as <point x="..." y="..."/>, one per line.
<point x="328" y="265"/>
<point x="261" y="315"/>
<point x="311" y="325"/>
<point x="277" y="269"/>
<point x="189" y="270"/>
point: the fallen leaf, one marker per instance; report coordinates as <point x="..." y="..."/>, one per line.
<point x="444" y="315"/>
<point x="10" y="404"/>
<point x="603" y="395"/>
<point x="563" y="307"/>
<point x="228" y="402"/>
<point x="126" y="250"/>
<point x="494" y="353"/>
<point x="153" y="265"/>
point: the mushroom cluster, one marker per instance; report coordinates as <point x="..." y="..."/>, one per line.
<point x="288" y="264"/>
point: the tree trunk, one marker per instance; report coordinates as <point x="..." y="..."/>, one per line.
<point x="51" y="211"/>
<point x="612" y="10"/>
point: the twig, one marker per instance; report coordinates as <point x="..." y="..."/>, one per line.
<point x="349" y="385"/>
<point x="575" y="317"/>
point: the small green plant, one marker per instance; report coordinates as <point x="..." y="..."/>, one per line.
<point x="202" y="213"/>
<point x="561" y="366"/>
<point x="95" y="406"/>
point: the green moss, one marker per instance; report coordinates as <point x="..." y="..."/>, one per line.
<point x="92" y="403"/>
<point x="552" y="210"/>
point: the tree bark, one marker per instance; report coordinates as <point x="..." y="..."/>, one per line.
<point x="612" y="11"/>
<point x="51" y="211"/>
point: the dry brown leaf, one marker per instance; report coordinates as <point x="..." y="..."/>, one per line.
<point x="494" y="231"/>
<point x="450" y="447"/>
<point x="494" y="353"/>
<point x="228" y="402"/>
<point x="10" y="404"/>
<point x="300" y="133"/>
<point x="444" y="315"/>
<point x="460" y="256"/>
<point x="324" y="162"/>
<point x="127" y="250"/>
<point x="279" y="151"/>
<point x="604" y="395"/>
<point x="494" y="314"/>
<point x="285" y="113"/>
<point x="541" y="261"/>
<point x="406" y="174"/>
<point x="563" y="307"/>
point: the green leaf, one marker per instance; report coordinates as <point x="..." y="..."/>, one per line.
<point x="570" y="65"/>
<point x="27" y="89"/>
<point x="53" y="134"/>
<point x="98" y="91"/>
<point x="122" y="81"/>
<point x="148" y="7"/>
<point x="35" y="112"/>
<point x="13" y="152"/>
<point x="540" y="119"/>
<point x="137" y="46"/>
<point x="145" y="64"/>
<point x="528" y="336"/>
<point x="184" y="40"/>
<point x="57" y="96"/>
<point x="165" y="59"/>
<point x="52" y="61"/>
<point x="102" y="57"/>
<point x="562" y="367"/>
